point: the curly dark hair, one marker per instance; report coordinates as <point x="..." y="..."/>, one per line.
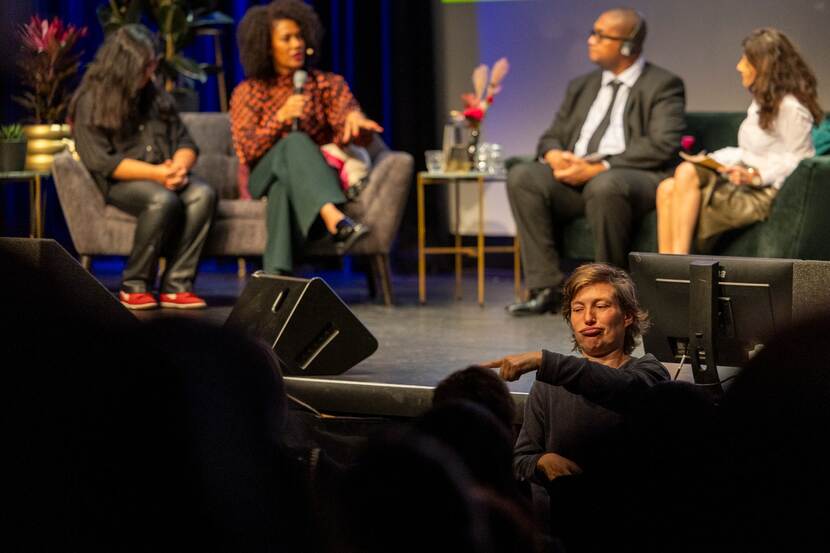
<point x="113" y="79"/>
<point x="254" y="35"/>
<point x="781" y="71"/>
<point x="624" y="291"/>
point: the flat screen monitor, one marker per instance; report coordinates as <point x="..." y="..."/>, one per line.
<point x="727" y="316"/>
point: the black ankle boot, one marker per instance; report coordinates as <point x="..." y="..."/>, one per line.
<point x="543" y="300"/>
<point x="348" y="232"/>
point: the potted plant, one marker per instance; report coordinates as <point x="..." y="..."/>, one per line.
<point x="177" y="22"/>
<point x="12" y="148"/>
<point x="48" y="63"/>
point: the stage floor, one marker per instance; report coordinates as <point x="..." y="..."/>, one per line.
<point x="419" y="345"/>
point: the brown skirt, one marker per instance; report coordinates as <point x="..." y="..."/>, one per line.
<point x="725" y="206"/>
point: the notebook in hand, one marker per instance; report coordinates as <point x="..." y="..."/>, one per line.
<point x="704" y="160"/>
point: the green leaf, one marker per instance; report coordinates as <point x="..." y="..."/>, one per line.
<point x="171" y="19"/>
<point x="188" y="68"/>
<point x="106" y="17"/>
<point x="128" y="11"/>
<point x="167" y="71"/>
<point x="134" y="10"/>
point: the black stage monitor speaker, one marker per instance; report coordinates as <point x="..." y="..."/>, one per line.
<point x="51" y="283"/>
<point x="307" y="325"/>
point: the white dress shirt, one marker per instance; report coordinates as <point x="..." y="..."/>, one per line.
<point x="613" y="141"/>
<point x="776" y="152"/>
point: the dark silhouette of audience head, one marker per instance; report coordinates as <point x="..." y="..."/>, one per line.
<point x="481" y="386"/>
<point x="168" y="437"/>
<point x="477" y="437"/>
<point x="485" y="447"/>
<point x="409" y="494"/>
<point x="750" y="470"/>
<point x="181" y="444"/>
<point x="776" y="421"/>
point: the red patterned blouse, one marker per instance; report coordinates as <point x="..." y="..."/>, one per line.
<point x="254" y="104"/>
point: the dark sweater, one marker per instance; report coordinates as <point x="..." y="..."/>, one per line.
<point x="576" y="406"/>
<point x="153" y="136"/>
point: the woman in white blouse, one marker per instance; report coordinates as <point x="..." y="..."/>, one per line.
<point x="699" y="203"/>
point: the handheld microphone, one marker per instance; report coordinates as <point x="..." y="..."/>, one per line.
<point x="300" y="77"/>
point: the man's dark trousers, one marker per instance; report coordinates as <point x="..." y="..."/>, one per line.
<point x="613" y="202"/>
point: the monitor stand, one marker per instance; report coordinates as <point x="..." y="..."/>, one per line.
<point x="703" y="323"/>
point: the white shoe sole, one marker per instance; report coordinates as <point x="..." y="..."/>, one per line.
<point x="170" y="305"/>
<point x="141" y="307"/>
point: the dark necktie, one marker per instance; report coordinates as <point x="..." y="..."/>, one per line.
<point x="593" y="143"/>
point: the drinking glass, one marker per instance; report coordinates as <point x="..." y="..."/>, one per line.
<point x="435" y="160"/>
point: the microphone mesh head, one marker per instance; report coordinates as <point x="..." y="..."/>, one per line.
<point x="299" y="78"/>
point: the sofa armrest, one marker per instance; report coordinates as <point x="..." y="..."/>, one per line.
<point x="81" y="201"/>
<point x="515" y="160"/>
<point x="812" y="240"/>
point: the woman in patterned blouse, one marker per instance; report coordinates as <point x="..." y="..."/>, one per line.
<point x="277" y="133"/>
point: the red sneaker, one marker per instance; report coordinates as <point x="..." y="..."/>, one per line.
<point x="182" y="300"/>
<point x="138" y="300"/>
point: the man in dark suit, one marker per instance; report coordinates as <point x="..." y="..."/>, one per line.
<point x="614" y="138"/>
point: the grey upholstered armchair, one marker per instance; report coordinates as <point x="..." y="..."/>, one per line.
<point x="239" y="228"/>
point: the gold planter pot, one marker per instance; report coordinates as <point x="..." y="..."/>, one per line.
<point x="44" y="142"/>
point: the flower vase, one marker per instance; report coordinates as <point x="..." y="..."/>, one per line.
<point x="472" y="147"/>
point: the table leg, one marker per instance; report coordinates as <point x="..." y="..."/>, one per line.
<point x="456" y="190"/>
<point x="480" y="241"/>
<point x="517" y="268"/>
<point x="38" y="207"/>
<point x="35" y="213"/>
<point x="422" y="286"/>
<point x="32" y="217"/>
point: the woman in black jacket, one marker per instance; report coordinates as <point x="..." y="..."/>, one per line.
<point x="130" y="137"/>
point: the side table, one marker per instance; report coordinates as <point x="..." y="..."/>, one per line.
<point x="35" y="196"/>
<point x="479" y="251"/>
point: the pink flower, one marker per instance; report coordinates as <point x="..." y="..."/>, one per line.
<point x="49" y="61"/>
<point x="474" y="114"/>
<point x="42" y="35"/>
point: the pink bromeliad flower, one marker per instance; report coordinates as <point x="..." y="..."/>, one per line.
<point x="49" y="62"/>
<point x="41" y="35"/>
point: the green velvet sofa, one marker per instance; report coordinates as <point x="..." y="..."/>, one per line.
<point x="798" y="227"/>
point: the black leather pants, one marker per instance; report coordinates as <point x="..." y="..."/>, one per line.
<point x="173" y="224"/>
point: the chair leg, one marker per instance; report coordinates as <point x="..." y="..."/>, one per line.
<point x="86" y="262"/>
<point x="162" y="266"/>
<point x="372" y="278"/>
<point x="241" y="267"/>
<point x="381" y="261"/>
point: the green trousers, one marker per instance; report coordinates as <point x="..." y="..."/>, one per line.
<point x="298" y="182"/>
